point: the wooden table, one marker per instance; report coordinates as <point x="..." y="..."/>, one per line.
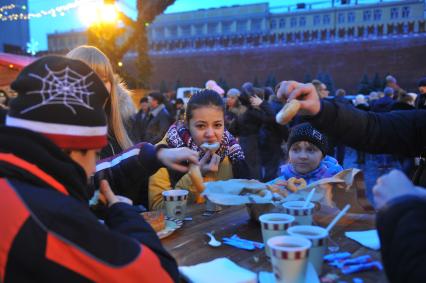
<point x="189" y="244"/>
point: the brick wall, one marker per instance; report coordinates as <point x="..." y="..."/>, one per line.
<point x="344" y="62"/>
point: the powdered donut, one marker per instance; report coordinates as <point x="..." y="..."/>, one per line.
<point x="288" y="112"/>
<point x="210" y="146"/>
<point x="294" y="184"/>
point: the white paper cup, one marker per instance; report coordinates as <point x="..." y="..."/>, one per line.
<point x="274" y="224"/>
<point x="318" y="236"/>
<point x="175" y="203"/>
<point x="303" y="216"/>
<point x="289" y="258"/>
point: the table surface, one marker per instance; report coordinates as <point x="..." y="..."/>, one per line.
<point x="189" y="243"/>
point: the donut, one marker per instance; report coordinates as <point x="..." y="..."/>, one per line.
<point x="294" y="184"/>
<point x="210" y="146"/>
<point x="288" y="112"/>
<point x="197" y="181"/>
<point x="155" y="219"/>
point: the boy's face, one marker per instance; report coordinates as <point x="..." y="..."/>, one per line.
<point x="86" y="159"/>
<point x="304" y="156"/>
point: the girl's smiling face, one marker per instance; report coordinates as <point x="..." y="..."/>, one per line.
<point x="304" y="156"/>
<point x="207" y="125"/>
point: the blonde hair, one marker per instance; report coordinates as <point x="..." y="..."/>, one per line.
<point x="100" y="63"/>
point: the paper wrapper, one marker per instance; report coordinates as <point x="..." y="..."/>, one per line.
<point x="346" y="187"/>
<point x="237" y="192"/>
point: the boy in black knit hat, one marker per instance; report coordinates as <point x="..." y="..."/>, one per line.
<point x="55" y="129"/>
<point x="307" y="149"/>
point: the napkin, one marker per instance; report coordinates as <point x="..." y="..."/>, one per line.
<point x="219" y="270"/>
<point x="369" y="238"/>
<point x="311" y="276"/>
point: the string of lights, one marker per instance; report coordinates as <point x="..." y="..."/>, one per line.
<point x="7" y="7"/>
<point x="53" y="12"/>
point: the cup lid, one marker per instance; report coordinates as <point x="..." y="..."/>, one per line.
<point x="172" y="193"/>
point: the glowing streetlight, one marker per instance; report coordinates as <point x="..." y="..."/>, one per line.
<point x="120" y="64"/>
<point x="98" y="13"/>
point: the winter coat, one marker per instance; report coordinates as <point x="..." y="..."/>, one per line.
<point x="232" y="164"/>
<point x="157" y="126"/>
<point x="402" y="229"/>
<point x="128" y="172"/>
<point x="396" y="132"/>
<point x="363" y="106"/>
<point x="402" y="106"/>
<point x="251" y="120"/>
<point x="127" y="107"/>
<point x="383" y="104"/>
<point x="420" y="102"/>
<point x="48" y="233"/>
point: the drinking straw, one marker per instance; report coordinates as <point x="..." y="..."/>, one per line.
<point x="308" y="199"/>
<point x="337" y="218"/>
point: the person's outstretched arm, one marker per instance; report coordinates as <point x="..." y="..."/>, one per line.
<point x="397" y="132"/>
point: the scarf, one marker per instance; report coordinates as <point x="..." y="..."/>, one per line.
<point x="179" y="136"/>
<point x="328" y="167"/>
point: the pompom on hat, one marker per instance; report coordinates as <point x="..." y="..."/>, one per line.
<point x="212" y="85"/>
<point x="62" y="99"/>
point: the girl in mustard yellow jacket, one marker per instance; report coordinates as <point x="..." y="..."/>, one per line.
<point x="204" y="123"/>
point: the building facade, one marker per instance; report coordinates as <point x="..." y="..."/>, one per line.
<point x="62" y="42"/>
<point x="259" y="24"/>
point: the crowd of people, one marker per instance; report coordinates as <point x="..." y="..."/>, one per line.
<point x="55" y="152"/>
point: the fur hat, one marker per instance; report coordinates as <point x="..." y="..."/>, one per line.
<point x="305" y="132"/>
<point x="359" y="99"/>
<point x="62" y="99"/>
<point x="233" y="92"/>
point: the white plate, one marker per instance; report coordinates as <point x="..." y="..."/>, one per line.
<point x="171" y="225"/>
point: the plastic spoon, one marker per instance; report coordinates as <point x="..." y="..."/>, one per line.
<point x="213" y="242"/>
<point x="308" y="199"/>
<point x="337" y="218"/>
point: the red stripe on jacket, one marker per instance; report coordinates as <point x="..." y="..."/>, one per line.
<point x="33" y="169"/>
<point x="13" y="215"/>
<point x="145" y="268"/>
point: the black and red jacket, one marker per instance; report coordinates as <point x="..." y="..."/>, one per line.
<point x="48" y="233"/>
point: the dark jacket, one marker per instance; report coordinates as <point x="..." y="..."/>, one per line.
<point x="128" y="172"/>
<point x="138" y="126"/>
<point x="364" y="107"/>
<point x="383" y="104"/>
<point x="396" y="132"/>
<point x="48" y="233"/>
<point x="251" y="120"/>
<point x="402" y="106"/>
<point x="271" y="133"/>
<point x="157" y="126"/>
<point x="402" y="228"/>
<point x="3" y="113"/>
<point x="420" y="102"/>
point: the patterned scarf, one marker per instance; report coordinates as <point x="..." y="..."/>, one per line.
<point x="179" y="136"/>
